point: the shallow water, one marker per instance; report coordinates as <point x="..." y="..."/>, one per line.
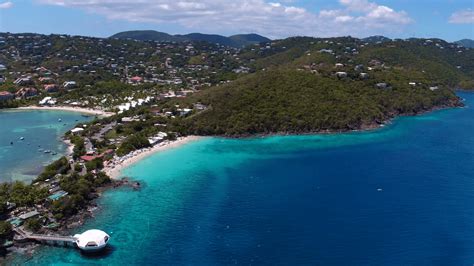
<point x="21" y="159"/>
<point x="401" y="195"/>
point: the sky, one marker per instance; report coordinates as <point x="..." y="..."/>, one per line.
<point x="446" y="19"/>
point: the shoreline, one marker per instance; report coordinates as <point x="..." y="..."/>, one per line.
<point x="120" y="163"/>
<point x="368" y="127"/>
<point x="68" y="109"/>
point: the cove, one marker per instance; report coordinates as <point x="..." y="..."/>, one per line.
<point x="403" y="194"/>
<point x="23" y="160"/>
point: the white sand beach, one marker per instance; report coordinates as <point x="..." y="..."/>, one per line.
<point x="115" y="167"/>
<point x="69" y="109"/>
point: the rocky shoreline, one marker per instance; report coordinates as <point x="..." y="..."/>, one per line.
<point x="361" y="127"/>
<point x="67" y="225"/>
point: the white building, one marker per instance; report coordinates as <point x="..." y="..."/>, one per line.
<point x="92" y="240"/>
<point x="341" y="74"/>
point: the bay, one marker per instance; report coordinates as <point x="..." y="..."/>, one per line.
<point x="23" y="160"/>
<point x="400" y="195"/>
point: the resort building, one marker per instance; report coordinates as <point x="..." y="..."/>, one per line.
<point x="92" y="240"/>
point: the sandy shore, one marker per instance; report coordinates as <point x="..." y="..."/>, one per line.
<point x="114" y="168"/>
<point x="69" y="109"/>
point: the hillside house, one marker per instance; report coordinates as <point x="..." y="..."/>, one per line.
<point x="363" y="75"/>
<point x="381" y="85"/>
<point x="23" y="81"/>
<point x="26" y="93"/>
<point x="50" y="88"/>
<point x="136" y="80"/>
<point x="69" y="85"/>
<point x="341" y="75"/>
<point x="5" y="96"/>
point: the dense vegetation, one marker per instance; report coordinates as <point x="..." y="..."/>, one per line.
<point x="60" y="166"/>
<point x="298" y="102"/>
<point x="81" y="190"/>
<point x="133" y="142"/>
<point x="21" y="194"/>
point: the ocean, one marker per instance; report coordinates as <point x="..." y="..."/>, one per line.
<point x="24" y="159"/>
<point x="399" y="195"/>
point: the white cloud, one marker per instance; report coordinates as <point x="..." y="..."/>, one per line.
<point x="462" y="17"/>
<point x="274" y="19"/>
<point x="6" y="5"/>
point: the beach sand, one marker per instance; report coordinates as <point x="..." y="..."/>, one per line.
<point x="114" y="171"/>
<point x="69" y="109"/>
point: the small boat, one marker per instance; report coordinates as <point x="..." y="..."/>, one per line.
<point x="47" y="151"/>
<point x="22" y="138"/>
<point x="59" y="120"/>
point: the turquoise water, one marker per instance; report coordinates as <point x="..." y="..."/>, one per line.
<point x="21" y="159"/>
<point x="401" y="195"/>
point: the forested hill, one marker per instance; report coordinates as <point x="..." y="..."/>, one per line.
<point x="466" y="43"/>
<point x="237" y="41"/>
<point x="304" y="85"/>
<point x="291" y="101"/>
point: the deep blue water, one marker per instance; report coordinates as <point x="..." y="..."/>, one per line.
<point x="21" y="159"/>
<point x="401" y="195"/>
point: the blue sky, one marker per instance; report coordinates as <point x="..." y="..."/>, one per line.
<point x="447" y="19"/>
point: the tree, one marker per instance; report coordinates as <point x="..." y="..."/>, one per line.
<point x="33" y="224"/>
<point x="5" y="231"/>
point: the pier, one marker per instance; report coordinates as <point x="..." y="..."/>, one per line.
<point x="91" y="240"/>
<point x="67" y="241"/>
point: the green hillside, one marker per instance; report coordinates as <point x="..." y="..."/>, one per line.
<point x="291" y="101"/>
<point x="304" y="85"/>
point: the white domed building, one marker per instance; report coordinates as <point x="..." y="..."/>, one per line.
<point x="92" y="240"/>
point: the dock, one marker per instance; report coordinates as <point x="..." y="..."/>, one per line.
<point x="48" y="239"/>
<point x="90" y="241"/>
